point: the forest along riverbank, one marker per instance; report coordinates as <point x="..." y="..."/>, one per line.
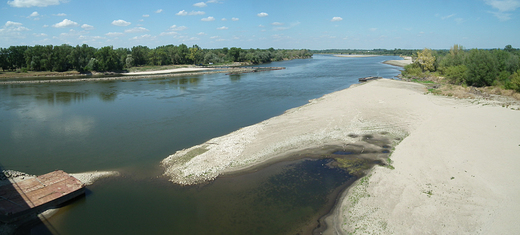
<point x="443" y="173"/>
<point x="147" y="74"/>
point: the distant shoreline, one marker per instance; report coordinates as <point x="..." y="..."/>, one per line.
<point x="357" y="56"/>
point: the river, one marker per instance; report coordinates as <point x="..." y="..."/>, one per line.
<point x="130" y="126"/>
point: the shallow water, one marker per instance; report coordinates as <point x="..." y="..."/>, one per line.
<point x="131" y="125"/>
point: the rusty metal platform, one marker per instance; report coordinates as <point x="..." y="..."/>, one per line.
<point x="37" y="194"/>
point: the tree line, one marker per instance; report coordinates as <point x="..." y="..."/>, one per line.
<point x="399" y="52"/>
<point x="475" y="67"/>
<point x="86" y="58"/>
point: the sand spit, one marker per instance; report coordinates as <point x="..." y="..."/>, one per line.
<point x="455" y="172"/>
<point x="356" y="56"/>
<point x="88" y="178"/>
<point x="178" y="70"/>
<point x="401" y="63"/>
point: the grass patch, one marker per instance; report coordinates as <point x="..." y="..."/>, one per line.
<point x="354" y="166"/>
<point x="191" y="154"/>
<point x="422" y="81"/>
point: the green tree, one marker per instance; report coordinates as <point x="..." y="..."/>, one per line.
<point x="515" y="81"/>
<point x="140" y="55"/>
<point x="482" y="69"/>
<point x="107" y="59"/>
<point x="426" y="60"/>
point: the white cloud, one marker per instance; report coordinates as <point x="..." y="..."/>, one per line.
<point x="234" y="19"/>
<point x="261" y="26"/>
<point x="195" y="13"/>
<point x="201" y="33"/>
<point x="145" y="36"/>
<point x="137" y="30"/>
<point x="168" y="33"/>
<point x="87" y="27"/>
<point x="504" y="5"/>
<point x="12" y="24"/>
<point x="45" y="26"/>
<point x="211" y="18"/>
<point x="200" y="4"/>
<point x="120" y="23"/>
<point x="65" y="23"/>
<point x="158" y="11"/>
<point x="177" y="28"/>
<point x="212" y="1"/>
<point x="222" y="28"/>
<point x="61" y="14"/>
<point x="34" y="3"/>
<point x="336" y="18"/>
<point x="459" y="20"/>
<point x="502" y="16"/>
<point x="447" y="17"/>
<point x="40" y="35"/>
<point x="114" y="34"/>
<point x="224" y="19"/>
<point x="276" y="23"/>
<point x="214" y="37"/>
<point x="12" y="30"/>
<point x="34" y="14"/>
<point x="262" y="14"/>
<point x="182" y="13"/>
<point x="146" y="16"/>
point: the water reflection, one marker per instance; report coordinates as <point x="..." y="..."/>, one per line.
<point x="50" y="119"/>
<point x="235" y="77"/>
<point x="65" y="98"/>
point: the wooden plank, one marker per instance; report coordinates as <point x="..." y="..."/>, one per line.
<point x="35" y="194"/>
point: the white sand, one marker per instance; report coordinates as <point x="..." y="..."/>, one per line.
<point x="477" y="145"/>
<point x="178" y="70"/>
<point x="356" y="56"/>
<point x="88" y="178"/>
<point x="401" y="63"/>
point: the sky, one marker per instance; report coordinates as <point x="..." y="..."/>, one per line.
<point x="287" y="24"/>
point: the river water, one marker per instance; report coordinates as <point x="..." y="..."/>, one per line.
<point x="130" y="126"/>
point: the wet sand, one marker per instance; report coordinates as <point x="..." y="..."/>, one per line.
<point x="455" y="171"/>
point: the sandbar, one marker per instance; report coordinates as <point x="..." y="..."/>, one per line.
<point x="356" y="56"/>
<point x="401" y="63"/>
<point x="177" y="70"/>
<point x="455" y="171"/>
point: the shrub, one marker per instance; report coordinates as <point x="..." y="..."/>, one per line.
<point x="515" y="81"/>
<point x="412" y="70"/>
<point x="482" y="69"/>
<point x="456" y="74"/>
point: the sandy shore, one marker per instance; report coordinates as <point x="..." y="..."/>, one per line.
<point x="356" y="56"/>
<point x="401" y="63"/>
<point x="178" y="70"/>
<point x="455" y="172"/>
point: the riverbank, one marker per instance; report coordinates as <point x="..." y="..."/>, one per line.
<point x="401" y="63"/>
<point x="455" y="172"/>
<point x="356" y="56"/>
<point x="145" y="74"/>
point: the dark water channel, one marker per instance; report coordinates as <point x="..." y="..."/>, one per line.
<point x="130" y="126"/>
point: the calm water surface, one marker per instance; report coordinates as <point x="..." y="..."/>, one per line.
<point x="130" y="126"/>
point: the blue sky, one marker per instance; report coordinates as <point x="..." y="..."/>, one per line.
<point x="341" y="24"/>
